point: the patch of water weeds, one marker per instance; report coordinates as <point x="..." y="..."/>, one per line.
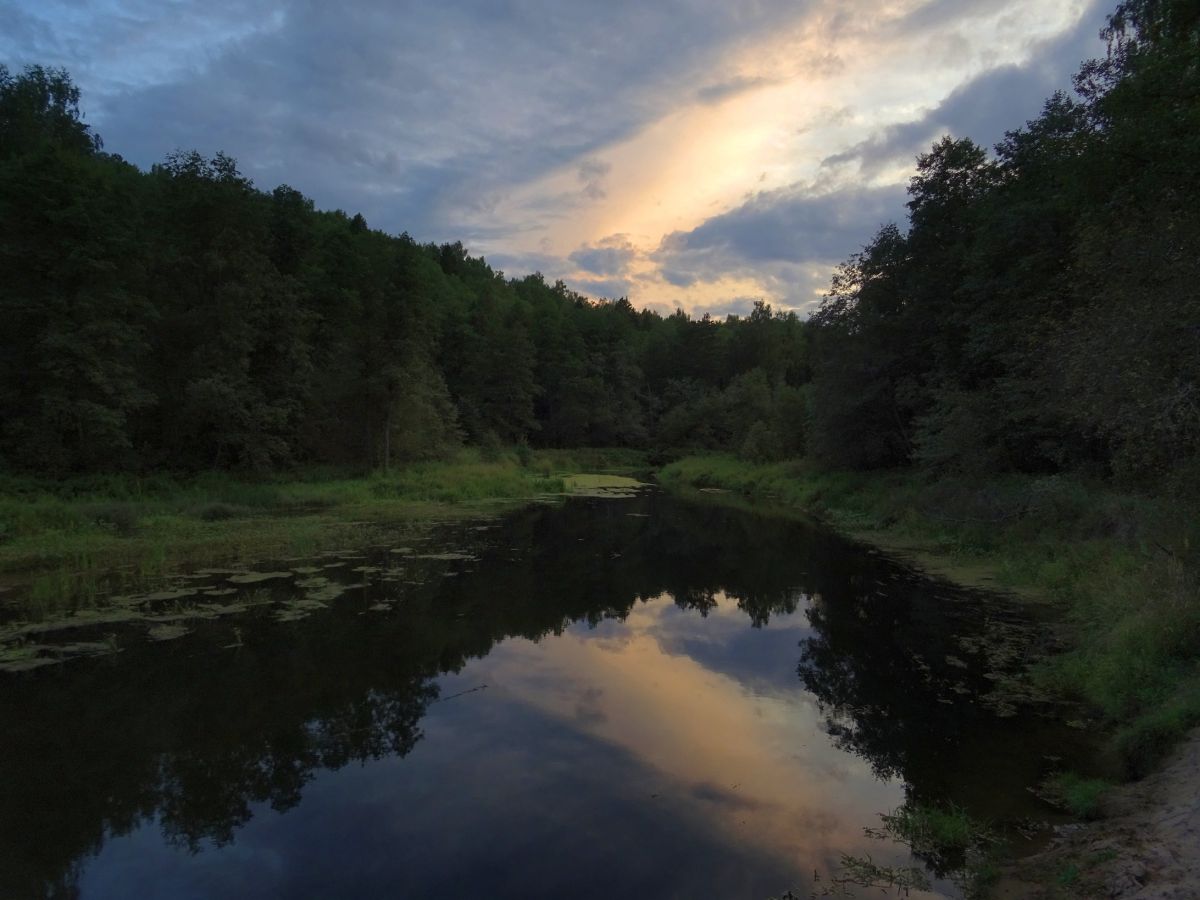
<point x="327" y="592"/>
<point x="948" y="842"/>
<point x="20" y="657"/>
<point x="297" y="608"/>
<point x="33" y="637"/>
<point x="24" y="656"/>
<point x="26" y="645"/>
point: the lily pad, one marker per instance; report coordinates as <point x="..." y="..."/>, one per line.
<point x="327" y="592"/>
<point x="24" y="657"/>
<point x="167" y="632"/>
<point x="299" y="608"/>
<point x="256" y="577"/>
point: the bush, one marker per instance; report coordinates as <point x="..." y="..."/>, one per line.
<point x="218" y="511"/>
<point x="119" y="517"/>
<point x="1083" y="797"/>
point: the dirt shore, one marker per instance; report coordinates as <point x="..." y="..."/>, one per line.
<point x="1147" y="846"/>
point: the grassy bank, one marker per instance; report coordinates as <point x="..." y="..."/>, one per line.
<point x="54" y="532"/>
<point x="1123" y="568"/>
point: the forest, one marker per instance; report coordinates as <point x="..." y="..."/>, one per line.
<point x="1036" y="313"/>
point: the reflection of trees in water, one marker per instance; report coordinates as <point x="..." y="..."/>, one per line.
<point x="206" y="790"/>
<point x="897" y="665"/>
<point x="194" y="735"/>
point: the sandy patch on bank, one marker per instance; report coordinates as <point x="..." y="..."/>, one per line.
<point x="1148" y="847"/>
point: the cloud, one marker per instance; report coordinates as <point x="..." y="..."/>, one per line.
<point x="788" y="241"/>
<point x="983" y="109"/>
<point x="610" y="256"/>
<point x="791" y="225"/>
<point x="405" y="111"/>
<point x="723" y="90"/>
<point x="591" y="174"/>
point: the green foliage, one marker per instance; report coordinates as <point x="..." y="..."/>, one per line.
<point x="70" y="528"/>
<point x="1142" y="743"/>
<point x="948" y="840"/>
<point x="1069" y="875"/>
<point x="1079" y="795"/>
<point x="1038" y="315"/>
<point x="184" y="319"/>
<point x="941" y="834"/>
<point x="461" y="482"/>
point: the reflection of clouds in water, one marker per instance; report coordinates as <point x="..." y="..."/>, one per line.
<point x="763" y="660"/>
<point x="749" y="759"/>
<point x="587" y="708"/>
<point x="721" y="796"/>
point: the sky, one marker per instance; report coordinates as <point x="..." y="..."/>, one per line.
<point x="700" y="154"/>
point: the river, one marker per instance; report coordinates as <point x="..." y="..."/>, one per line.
<point x="635" y="697"/>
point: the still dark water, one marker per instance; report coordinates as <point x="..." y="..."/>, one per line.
<point x="635" y="698"/>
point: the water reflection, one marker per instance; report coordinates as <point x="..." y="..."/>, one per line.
<point x="642" y="731"/>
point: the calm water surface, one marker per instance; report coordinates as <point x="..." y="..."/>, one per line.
<point x="634" y="698"/>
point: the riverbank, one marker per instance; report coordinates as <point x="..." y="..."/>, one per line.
<point x="1121" y="568"/>
<point x="55" y="536"/>
<point x="1144" y="847"/>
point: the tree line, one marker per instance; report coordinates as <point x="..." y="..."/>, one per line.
<point x="1039" y="312"/>
<point x="182" y="318"/>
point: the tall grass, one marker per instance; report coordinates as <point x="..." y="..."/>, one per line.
<point x="1122" y="567"/>
<point x="153" y="522"/>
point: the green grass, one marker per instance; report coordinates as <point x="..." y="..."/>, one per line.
<point x="1069" y="875"/>
<point x="949" y="840"/>
<point x="936" y="828"/>
<point x="1082" y="797"/>
<point x="54" y="533"/>
<point x="1123" y="569"/>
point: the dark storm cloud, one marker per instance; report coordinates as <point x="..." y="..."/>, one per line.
<point x="992" y="103"/>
